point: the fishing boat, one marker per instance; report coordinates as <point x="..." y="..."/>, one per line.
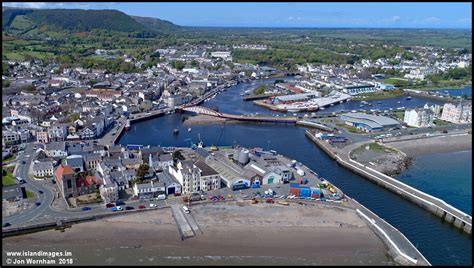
<point x="189" y="129"/>
<point x="127" y="125"/>
<point x="409" y="98"/>
<point x="175" y="131"/>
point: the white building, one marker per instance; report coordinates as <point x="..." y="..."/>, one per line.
<point x="109" y="190"/>
<point x="419" y="117"/>
<point x="43" y="169"/>
<point x="222" y="54"/>
<point x="458" y="114"/>
<point x="195" y="177"/>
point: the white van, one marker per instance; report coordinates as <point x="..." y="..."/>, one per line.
<point x="186" y="210"/>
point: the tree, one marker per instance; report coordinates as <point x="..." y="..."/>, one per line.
<point x="142" y="171"/>
<point x="177" y="155"/>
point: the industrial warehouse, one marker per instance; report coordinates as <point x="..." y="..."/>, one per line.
<point x="369" y="123"/>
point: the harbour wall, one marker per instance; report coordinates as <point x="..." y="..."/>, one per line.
<point x="443" y="211"/>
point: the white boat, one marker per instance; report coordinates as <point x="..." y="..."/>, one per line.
<point x="322" y="108"/>
<point x="332" y="104"/>
<point x="189" y="129"/>
<point x="293" y="110"/>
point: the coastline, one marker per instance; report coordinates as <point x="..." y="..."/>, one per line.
<point x="441" y="144"/>
<point x="232" y="234"/>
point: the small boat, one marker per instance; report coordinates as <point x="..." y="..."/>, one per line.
<point x="398" y="102"/>
<point x="189" y="129"/>
<point x="127" y="125"/>
<point x="409" y="98"/>
<point x="332" y="104"/>
<point x="379" y="102"/>
<point x="175" y="131"/>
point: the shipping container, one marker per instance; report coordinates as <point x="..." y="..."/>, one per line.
<point x="295" y="191"/>
<point x="316" y="196"/>
<point x="315" y="191"/>
<point x="294" y="185"/>
<point x="305" y="192"/>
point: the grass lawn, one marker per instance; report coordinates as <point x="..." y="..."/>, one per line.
<point x="439" y="122"/>
<point x="350" y="129"/>
<point x="380" y="95"/>
<point x="11" y="157"/>
<point x="8" y="179"/>
<point x="30" y="194"/>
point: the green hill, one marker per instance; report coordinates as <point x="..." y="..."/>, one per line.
<point x="75" y="20"/>
<point x="156" y="24"/>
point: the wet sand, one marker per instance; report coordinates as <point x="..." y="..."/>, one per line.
<point x="206" y="120"/>
<point x="435" y="145"/>
<point x="232" y="234"/>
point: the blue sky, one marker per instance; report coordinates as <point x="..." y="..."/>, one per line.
<point x="376" y="15"/>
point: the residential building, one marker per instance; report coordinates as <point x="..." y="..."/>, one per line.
<point x="109" y="190"/>
<point x="148" y="190"/>
<point x="56" y="149"/>
<point x="458" y="114"/>
<point x="419" y="117"/>
<point x="57" y="132"/>
<point x="43" y="169"/>
<point x="42" y="136"/>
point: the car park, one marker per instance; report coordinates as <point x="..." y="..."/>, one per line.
<point x="86" y="208"/>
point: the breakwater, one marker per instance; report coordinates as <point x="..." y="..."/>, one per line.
<point x="432" y="204"/>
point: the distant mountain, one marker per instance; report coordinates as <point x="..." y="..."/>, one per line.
<point x="19" y="21"/>
<point x="156" y="24"/>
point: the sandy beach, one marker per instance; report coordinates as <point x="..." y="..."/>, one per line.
<point x="232" y="234"/>
<point x="441" y="144"/>
<point x="206" y="120"/>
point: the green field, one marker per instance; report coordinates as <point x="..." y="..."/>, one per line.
<point x="8" y="179"/>
<point x="30" y="194"/>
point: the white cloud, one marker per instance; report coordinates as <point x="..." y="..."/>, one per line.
<point x="27" y="4"/>
<point x="394" y="18"/>
<point x="431" y="20"/>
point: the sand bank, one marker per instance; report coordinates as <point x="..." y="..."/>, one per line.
<point x="232" y="234"/>
<point x="441" y="144"/>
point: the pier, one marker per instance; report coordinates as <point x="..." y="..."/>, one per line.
<point x="432" y="204"/>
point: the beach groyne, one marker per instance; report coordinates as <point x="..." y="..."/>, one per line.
<point x="430" y="203"/>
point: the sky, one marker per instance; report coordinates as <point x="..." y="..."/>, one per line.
<point x="303" y="14"/>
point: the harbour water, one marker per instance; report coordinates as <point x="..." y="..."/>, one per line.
<point x="445" y="175"/>
<point x="455" y="91"/>
<point x="439" y="242"/>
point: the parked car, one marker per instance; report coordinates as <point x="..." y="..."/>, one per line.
<point x="270" y="201"/>
<point x="53" y="181"/>
<point x="86" y="208"/>
<point x="211" y="198"/>
<point x="153" y="205"/>
<point x="161" y="197"/>
<point x="119" y="208"/>
<point x="41" y="192"/>
<point x="141" y="207"/>
<point x="220" y="197"/>
<point x="186" y="210"/>
<point x="120" y="203"/>
<point x="177" y="194"/>
<point x="6" y="224"/>
<point x="129" y="208"/>
<point x="38" y="204"/>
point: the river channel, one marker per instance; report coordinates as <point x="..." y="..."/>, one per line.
<point x="439" y="242"/>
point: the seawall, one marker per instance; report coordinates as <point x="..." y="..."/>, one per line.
<point x="432" y="204"/>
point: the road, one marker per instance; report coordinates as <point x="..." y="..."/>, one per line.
<point x="45" y="212"/>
